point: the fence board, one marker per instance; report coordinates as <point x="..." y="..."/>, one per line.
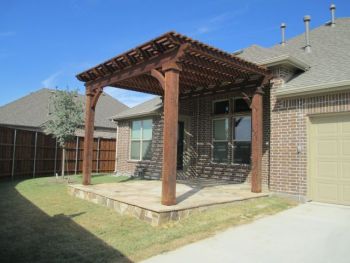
<point x="46" y="156"/>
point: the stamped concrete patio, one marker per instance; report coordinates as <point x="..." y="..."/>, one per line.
<point x="141" y="198"/>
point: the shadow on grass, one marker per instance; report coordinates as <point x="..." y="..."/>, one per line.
<point x="27" y="234"/>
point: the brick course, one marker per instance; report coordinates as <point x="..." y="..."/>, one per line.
<point x="289" y="117"/>
<point x="198" y="146"/>
<point x="285" y="139"/>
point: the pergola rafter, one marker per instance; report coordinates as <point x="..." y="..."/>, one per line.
<point x="175" y="67"/>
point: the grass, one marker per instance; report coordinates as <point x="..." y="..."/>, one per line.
<point x="40" y="222"/>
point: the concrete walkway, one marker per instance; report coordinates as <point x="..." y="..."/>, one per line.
<point x="311" y="232"/>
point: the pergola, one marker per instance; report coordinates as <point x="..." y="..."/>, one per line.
<point x="176" y="67"/>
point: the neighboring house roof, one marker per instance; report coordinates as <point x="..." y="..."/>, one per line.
<point x="147" y="108"/>
<point x="329" y="59"/>
<point x="33" y="110"/>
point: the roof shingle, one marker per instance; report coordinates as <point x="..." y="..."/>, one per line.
<point x="33" y="110"/>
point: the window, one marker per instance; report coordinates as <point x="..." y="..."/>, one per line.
<point x="241" y="131"/>
<point x="221" y="107"/>
<point x="141" y="140"/>
<point x="240" y="105"/>
<point x="220" y="140"/>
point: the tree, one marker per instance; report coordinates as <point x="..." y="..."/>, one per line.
<point x="66" y="116"/>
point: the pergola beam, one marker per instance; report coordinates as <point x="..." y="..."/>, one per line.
<point x="175" y="66"/>
<point x="171" y="111"/>
<point x="138" y="69"/>
<point x="92" y="96"/>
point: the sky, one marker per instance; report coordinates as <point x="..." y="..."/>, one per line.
<point x="46" y="43"/>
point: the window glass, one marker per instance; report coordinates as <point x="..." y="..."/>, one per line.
<point x="220" y="129"/>
<point x="242" y="139"/>
<point x="146" y="150"/>
<point x="221" y="107"/>
<point x="220" y="152"/>
<point x="241" y="153"/>
<point x="141" y="140"/>
<point x="135" y="150"/>
<point x="147" y="130"/>
<point x="136" y="130"/>
<point x="242" y="128"/>
<point x="240" y="105"/>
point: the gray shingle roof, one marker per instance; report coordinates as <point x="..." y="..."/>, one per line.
<point x="149" y="107"/>
<point x="329" y="59"/>
<point x="33" y="110"/>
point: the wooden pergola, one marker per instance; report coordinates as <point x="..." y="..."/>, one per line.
<point x="175" y="67"/>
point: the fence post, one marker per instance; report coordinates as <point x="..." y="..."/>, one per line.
<point x="35" y="151"/>
<point x="14" y="154"/>
<point x="76" y="155"/>
<point x="98" y="155"/>
<point x="55" y="164"/>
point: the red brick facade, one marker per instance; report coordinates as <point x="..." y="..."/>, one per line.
<point x="285" y="139"/>
<point x="289" y="117"/>
<point x="197" y="114"/>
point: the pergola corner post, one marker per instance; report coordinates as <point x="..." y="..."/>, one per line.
<point x="92" y="96"/>
<point x="257" y="139"/>
<point x="171" y="112"/>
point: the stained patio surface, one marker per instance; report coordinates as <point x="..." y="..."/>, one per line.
<point x="141" y="198"/>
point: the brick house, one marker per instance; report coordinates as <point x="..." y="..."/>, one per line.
<point x="309" y="97"/>
<point x="32" y="111"/>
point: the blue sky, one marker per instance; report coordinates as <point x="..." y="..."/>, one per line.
<point x="46" y="43"/>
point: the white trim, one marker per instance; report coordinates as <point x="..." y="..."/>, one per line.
<point x="141" y="140"/>
<point x="285" y="59"/>
<point x="213" y="140"/>
<point x="313" y="89"/>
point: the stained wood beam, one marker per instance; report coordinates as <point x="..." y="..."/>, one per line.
<point x="171" y="109"/>
<point x="159" y="76"/>
<point x="237" y="63"/>
<point x="257" y="139"/>
<point x="92" y="96"/>
<point x="139" y="69"/>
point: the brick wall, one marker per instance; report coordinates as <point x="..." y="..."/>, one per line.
<point x="198" y="146"/>
<point x="289" y="116"/>
<point x="150" y="168"/>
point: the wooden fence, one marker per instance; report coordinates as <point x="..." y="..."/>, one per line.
<point x="26" y="153"/>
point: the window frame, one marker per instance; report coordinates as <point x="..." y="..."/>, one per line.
<point x="221" y="114"/>
<point x="227" y="140"/>
<point x="233" y="130"/>
<point x="141" y="140"/>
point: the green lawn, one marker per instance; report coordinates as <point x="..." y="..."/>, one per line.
<point x="40" y="222"/>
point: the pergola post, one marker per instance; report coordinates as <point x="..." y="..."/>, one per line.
<point x="171" y="108"/>
<point x="257" y="139"/>
<point x="92" y="96"/>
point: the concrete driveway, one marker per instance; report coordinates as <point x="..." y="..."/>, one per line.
<point x="311" y="232"/>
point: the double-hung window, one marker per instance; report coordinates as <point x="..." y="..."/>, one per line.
<point x="141" y="140"/>
<point x="231" y="126"/>
<point x="241" y="132"/>
<point x="220" y="140"/>
<point x="241" y="139"/>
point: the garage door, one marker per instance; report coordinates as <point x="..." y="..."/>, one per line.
<point x="329" y="143"/>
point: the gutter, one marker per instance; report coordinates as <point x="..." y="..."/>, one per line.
<point x="285" y="59"/>
<point x="136" y="115"/>
<point x="313" y="89"/>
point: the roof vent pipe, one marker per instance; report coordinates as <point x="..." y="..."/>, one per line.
<point x="307" y="33"/>
<point x="283" y="32"/>
<point x="332" y="8"/>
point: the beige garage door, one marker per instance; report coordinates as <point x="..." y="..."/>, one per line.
<point x="329" y="158"/>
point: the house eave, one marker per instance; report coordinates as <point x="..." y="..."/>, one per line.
<point x="137" y="115"/>
<point x="313" y="89"/>
<point x="285" y="60"/>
